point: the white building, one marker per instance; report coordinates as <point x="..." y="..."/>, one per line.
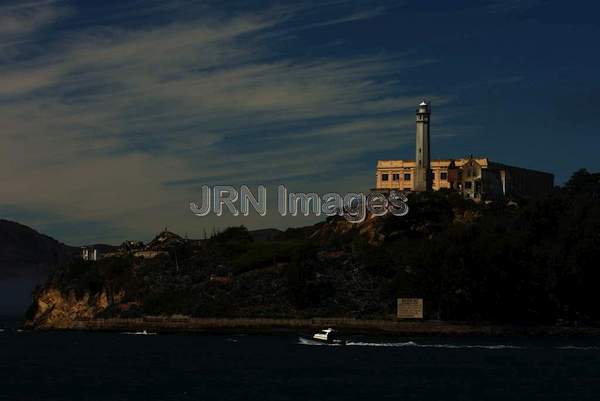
<point x="89" y="253"/>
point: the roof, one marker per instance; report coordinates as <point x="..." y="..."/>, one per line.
<point x="391" y="164"/>
<point x="164" y="239"/>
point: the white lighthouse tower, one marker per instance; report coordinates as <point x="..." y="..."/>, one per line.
<point x="422" y="179"/>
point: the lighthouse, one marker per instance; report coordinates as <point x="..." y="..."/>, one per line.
<point x="423" y="179"/>
<point x="476" y="178"/>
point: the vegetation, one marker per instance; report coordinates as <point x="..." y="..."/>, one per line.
<point x="529" y="260"/>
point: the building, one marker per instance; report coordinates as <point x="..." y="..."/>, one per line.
<point x="149" y="253"/>
<point x="477" y="178"/>
<point x="89" y="253"/>
<point x="159" y="246"/>
<point x="131" y="245"/>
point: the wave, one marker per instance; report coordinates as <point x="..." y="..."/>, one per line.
<point x="579" y="347"/>
<point x="139" y="333"/>
<point x="448" y="346"/>
<point x="305" y="341"/>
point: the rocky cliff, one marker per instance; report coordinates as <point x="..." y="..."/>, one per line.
<point x="56" y="309"/>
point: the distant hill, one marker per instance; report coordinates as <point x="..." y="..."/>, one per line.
<point x="24" y="250"/>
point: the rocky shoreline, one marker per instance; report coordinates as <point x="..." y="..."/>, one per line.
<point x="351" y="326"/>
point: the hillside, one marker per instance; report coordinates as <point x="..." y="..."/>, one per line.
<point x="533" y="261"/>
<point x="23" y="250"/>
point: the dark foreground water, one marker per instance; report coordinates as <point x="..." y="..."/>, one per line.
<point x="102" y="366"/>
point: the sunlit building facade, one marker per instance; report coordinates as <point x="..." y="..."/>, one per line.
<point x="477" y="178"/>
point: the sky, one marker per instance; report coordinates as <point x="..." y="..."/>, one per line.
<point x="113" y="114"/>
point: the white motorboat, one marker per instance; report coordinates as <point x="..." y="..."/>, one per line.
<point x="328" y="336"/>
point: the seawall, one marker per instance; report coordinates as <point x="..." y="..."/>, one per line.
<point x="348" y="325"/>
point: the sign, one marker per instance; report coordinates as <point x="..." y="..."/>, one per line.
<point x="410" y="308"/>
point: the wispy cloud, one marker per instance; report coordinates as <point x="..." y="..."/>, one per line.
<point x="352" y="17"/>
<point x="25" y="18"/>
<point x="512" y="6"/>
<point x="121" y="125"/>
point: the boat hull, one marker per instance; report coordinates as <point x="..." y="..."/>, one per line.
<point x="314" y="341"/>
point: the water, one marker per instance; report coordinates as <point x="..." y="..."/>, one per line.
<point x="15" y="292"/>
<point x="113" y="366"/>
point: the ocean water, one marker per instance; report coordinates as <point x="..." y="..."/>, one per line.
<point x="133" y="366"/>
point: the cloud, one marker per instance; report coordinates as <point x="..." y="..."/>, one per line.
<point x="121" y="125"/>
<point x="512" y="6"/>
<point x="26" y="18"/>
<point x="353" y="17"/>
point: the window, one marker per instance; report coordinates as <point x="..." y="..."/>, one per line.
<point x="384" y="177"/>
<point x="444" y="175"/>
<point x="406" y="176"/>
<point x="395" y="177"/>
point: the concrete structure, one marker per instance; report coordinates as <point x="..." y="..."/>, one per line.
<point x="149" y="253"/>
<point x="477" y="178"/>
<point x="89" y="253"/>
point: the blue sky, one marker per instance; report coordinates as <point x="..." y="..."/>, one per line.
<point x="113" y="114"/>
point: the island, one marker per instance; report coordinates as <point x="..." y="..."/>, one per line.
<point x="521" y="265"/>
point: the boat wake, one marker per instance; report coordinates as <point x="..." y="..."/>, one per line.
<point x="448" y="346"/>
<point x="139" y="333"/>
<point x="577" y="347"/>
<point x="306" y="341"/>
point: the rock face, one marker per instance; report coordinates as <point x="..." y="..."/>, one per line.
<point x="372" y="229"/>
<point x="54" y="309"/>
